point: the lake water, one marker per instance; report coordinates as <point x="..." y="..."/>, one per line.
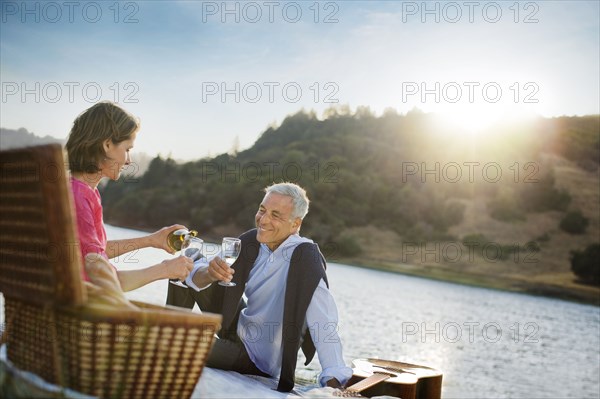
<point x="487" y="343"/>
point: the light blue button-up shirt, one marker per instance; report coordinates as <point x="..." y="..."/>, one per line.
<point x="260" y="323"/>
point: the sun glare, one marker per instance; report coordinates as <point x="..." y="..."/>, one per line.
<point x="477" y="120"/>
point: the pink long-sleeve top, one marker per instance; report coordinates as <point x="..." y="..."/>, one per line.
<point x="90" y="225"/>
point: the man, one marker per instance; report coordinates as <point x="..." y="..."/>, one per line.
<point x="288" y="301"/>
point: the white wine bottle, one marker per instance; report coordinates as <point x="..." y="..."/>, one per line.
<point x="175" y="238"/>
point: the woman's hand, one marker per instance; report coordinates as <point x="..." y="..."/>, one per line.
<point x="178" y="268"/>
<point x="158" y="239"/>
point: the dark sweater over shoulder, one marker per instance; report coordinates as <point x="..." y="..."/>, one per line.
<point x="307" y="268"/>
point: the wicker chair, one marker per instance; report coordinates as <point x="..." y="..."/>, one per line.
<point x="51" y="329"/>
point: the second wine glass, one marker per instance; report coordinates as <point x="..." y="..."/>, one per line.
<point x="190" y="248"/>
<point x="230" y="251"/>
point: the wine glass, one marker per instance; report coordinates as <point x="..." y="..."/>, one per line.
<point x="230" y="250"/>
<point x="190" y="248"/>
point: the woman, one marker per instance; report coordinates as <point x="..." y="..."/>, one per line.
<point x="98" y="146"/>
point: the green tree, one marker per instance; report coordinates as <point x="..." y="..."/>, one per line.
<point x="586" y="264"/>
<point x="543" y="196"/>
<point x="574" y="222"/>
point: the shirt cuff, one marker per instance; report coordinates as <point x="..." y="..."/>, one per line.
<point x="342" y="374"/>
<point x="198" y="265"/>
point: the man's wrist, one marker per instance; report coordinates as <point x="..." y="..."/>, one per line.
<point x="195" y="279"/>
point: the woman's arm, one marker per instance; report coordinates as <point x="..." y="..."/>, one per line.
<point x="176" y="268"/>
<point x="157" y="239"/>
<point x="116" y="248"/>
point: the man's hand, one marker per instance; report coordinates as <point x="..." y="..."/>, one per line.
<point x="334" y="383"/>
<point x="219" y="270"/>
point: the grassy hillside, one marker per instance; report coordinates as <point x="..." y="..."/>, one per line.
<point x="402" y="192"/>
<point x="544" y="272"/>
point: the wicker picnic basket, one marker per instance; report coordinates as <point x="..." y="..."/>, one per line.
<point x="51" y="329"/>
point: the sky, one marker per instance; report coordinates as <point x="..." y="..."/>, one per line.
<point x="203" y="76"/>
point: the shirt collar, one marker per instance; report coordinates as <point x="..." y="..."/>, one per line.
<point x="292" y="241"/>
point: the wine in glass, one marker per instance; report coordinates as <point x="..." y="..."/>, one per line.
<point x="230" y="250"/>
<point x="190" y="248"/>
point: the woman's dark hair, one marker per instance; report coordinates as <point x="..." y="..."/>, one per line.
<point x="102" y="121"/>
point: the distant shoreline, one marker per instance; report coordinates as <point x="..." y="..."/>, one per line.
<point x="583" y="295"/>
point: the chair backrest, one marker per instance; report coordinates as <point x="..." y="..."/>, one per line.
<point x="40" y="261"/>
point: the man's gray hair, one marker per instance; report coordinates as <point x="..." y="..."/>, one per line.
<point x="299" y="199"/>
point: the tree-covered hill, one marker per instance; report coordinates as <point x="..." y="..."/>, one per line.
<point x="10" y="138"/>
<point x="410" y="176"/>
